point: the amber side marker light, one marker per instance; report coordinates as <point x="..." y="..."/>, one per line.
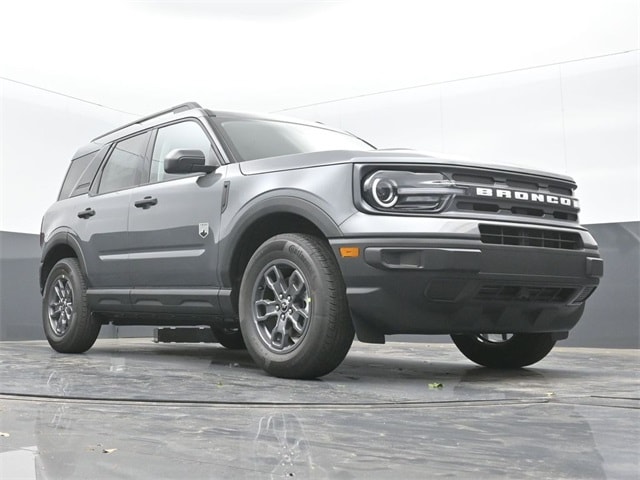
<point x="349" y="252"/>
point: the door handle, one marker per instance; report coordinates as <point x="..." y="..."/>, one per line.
<point x="146" y="202"/>
<point x="86" y="213"/>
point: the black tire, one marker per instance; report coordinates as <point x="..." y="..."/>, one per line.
<point x="68" y="324"/>
<point x="516" y="351"/>
<point x="315" y="333"/>
<point x="229" y="338"/>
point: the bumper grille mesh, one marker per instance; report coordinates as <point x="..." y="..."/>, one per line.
<point x="525" y="294"/>
<point x="530" y="237"/>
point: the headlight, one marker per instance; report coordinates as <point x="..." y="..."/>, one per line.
<point x="384" y="192"/>
<point x="399" y="190"/>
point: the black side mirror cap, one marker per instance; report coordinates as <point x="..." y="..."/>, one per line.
<point x="186" y="161"/>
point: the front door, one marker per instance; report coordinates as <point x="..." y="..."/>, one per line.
<point x="173" y="225"/>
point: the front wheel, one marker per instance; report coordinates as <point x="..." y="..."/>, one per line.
<point x="293" y="309"/>
<point x="505" y="350"/>
<point x="68" y="324"/>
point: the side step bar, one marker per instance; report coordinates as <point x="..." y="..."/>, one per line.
<point x="184" y="335"/>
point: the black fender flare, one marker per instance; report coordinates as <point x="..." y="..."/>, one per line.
<point x="261" y="207"/>
<point x="61" y="237"/>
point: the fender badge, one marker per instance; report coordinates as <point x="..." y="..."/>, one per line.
<point x="203" y="230"/>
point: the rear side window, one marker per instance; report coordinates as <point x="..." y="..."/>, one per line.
<point x="76" y="169"/>
<point x="125" y="164"/>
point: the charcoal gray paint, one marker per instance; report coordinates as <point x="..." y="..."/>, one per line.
<point x="611" y="319"/>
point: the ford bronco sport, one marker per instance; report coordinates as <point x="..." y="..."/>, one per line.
<point x="287" y="237"/>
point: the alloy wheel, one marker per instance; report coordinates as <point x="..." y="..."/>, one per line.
<point x="281" y="306"/>
<point x="61" y="305"/>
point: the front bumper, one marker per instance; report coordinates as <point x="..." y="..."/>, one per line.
<point x="449" y="286"/>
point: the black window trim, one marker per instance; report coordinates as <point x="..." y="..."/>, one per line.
<point x="95" y="185"/>
<point x="98" y="158"/>
<point x="66" y="175"/>
<point x="146" y="174"/>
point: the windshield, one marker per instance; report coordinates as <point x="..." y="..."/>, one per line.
<point x="250" y="139"/>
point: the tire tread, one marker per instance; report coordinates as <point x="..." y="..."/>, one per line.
<point x="84" y="331"/>
<point x="339" y="331"/>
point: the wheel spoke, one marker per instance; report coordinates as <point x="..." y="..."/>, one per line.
<point x="279" y="334"/>
<point x="57" y="288"/>
<point x="266" y="309"/>
<point x="274" y="279"/>
<point x="281" y="306"/>
<point x="296" y="324"/>
<point x="68" y="294"/>
<point x="494" y="338"/>
<point x="299" y="322"/>
<point x="296" y="284"/>
<point x="55" y="309"/>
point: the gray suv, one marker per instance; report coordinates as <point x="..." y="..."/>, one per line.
<point x="286" y="238"/>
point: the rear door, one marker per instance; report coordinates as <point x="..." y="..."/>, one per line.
<point x="173" y="226"/>
<point x="103" y="215"/>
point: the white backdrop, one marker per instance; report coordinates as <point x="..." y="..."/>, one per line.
<point x="39" y="133"/>
<point x="579" y="118"/>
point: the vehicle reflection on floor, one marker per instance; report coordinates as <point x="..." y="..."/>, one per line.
<point x="281" y="442"/>
<point x="133" y="411"/>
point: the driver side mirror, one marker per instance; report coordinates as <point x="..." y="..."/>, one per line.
<point x="186" y="161"/>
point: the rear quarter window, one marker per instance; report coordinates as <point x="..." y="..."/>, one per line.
<point x="74" y="173"/>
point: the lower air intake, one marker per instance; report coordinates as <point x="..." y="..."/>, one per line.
<point x="525" y="294"/>
<point x="530" y="237"/>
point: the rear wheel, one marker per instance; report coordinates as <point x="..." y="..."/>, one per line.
<point x="505" y="350"/>
<point x="293" y="308"/>
<point x="68" y="324"/>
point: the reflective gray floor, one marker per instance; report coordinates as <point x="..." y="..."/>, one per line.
<point x="135" y="409"/>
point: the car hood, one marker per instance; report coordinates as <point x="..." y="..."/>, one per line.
<point x="334" y="157"/>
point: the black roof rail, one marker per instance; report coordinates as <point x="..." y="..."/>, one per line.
<point x="176" y="109"/>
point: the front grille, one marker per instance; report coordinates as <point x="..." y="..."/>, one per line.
<point x="514" y="193"/>
<point x="529" y="237"/>
<point x="525" y="293"/>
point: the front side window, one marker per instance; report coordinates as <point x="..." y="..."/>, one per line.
<point x="125" y="164"/>
<point x="251" y="139"/>
<point x="185" y="135"/>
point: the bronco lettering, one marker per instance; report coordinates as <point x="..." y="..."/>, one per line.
<point x="527" y="196"/>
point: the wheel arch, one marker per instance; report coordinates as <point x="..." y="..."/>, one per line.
<point x="62" y="245"/>
<point x="259" y="223"/>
